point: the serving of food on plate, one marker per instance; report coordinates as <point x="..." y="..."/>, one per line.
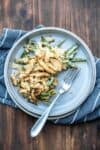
<point x="37" y="67"/>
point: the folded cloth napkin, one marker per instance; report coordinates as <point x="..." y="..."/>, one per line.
<point x="89" y="110"/>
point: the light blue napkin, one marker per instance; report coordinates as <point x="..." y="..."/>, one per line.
<point x="89" y="110"/>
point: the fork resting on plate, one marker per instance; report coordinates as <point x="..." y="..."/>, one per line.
<point x="66" y="85"/>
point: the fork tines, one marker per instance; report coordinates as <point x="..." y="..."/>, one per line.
<point x="71" y="74"/>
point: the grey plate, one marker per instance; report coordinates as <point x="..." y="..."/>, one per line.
<point x="81" y="87"/>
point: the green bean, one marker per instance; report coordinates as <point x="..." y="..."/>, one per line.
<point x="47" y="39"/>
<point x="41" y="97"/>
<point x="72" y="50"/>
<point x="44" y="98"/>
<point x="50" y="81"/>
<point x="32" y="46"/>
<point x="43" y="39"/>
<point x="61" y="43"/>
<point x="44" y="94"/>
<point x="71" y="56"/>
<point x="78" y="60"/>
<point x="24" y="54"/>
<point x="45" y="43"/>
<point x="52" y="92"/>
<point x="50" y="39"/>
<point x="70" y="64"/>
<point x="47" y="95"/>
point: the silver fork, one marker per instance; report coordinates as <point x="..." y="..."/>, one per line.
<point x="66" y="85"/>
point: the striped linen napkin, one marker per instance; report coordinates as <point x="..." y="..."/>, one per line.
<point x="89" y="110"/>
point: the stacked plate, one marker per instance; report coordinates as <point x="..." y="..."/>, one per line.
<point x="80" y="89"/>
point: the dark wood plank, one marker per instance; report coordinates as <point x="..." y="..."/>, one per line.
<point x="79" y="16"/>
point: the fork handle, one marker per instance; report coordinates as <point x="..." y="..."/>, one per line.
<point x="37" y="127"/>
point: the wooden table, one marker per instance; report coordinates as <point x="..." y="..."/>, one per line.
<point x="83" y="18"/>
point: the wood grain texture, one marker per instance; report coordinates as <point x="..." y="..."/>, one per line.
<point x="83" y="18"/>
